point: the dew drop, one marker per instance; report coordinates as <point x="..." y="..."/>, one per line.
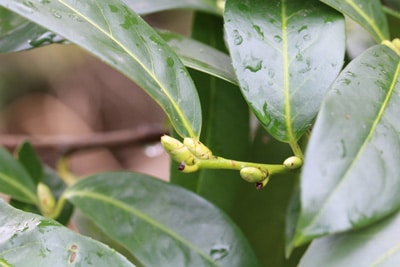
<point x="254" y="65"/>
<point x="271" y="73"/>
<point x="306" y="37"/>
<point x="302" y="28"/>
<point x="259" y="31"/>
<point x="219" y="252"/>
<point x="277" y="39"/>
<point x="237" y="38"/>
<point x="57" y="15"/>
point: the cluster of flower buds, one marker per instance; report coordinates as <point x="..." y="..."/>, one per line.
<point x="394" y="45"/>
<point x="192" y="155"/>
<point x="185" y="153"/>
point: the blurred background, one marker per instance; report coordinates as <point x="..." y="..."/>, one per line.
<point x="62" y="98"/>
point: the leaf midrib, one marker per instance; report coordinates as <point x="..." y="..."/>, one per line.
<point x="19" y="187"/>
<point x="286" y="76"/>
<point x="367" y="19"/>
<point x="147" y="70"/>
<point x="363" y="146"/>
<point x="386" y="255"/>
<point x="140" y="215"/>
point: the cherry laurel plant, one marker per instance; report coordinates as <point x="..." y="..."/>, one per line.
<point x="285" y="145"/>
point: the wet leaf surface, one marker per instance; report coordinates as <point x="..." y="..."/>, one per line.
<point x="159" y="222"/>
<point x="350" y="176"/>
<point x="30" y="240"/>
<point x="280" y="54"/>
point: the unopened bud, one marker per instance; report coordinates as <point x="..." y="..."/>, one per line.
<point x="293" y="162"/>
<point x="253" y="174"/>
<point x="197" y="148"/>
<point x="46" y="199"/>
<point x="262" y="184"/>
<point x="177" y="150"/>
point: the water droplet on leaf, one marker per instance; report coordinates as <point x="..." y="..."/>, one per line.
<point x="237" y="38"/>
<point x="259" y="31"/>
<point x="306" y="37"/>
<point x="219" y="252"/>
<point x="254" y="65"/>
<point x="277" y="38"/>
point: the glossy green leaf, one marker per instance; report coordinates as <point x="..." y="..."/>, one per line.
<point x="159" y="223"/>
<point x="17" y="33"/>
<point x="30" y="240"/>
<point x="147" y="7"/>
<point x="225" y="112"/>
<point x="351" y="172"/>
<point x="30" y="160"/>
<point x="377" y="245"/>
<point x="115" y="34"/>
<point x="14" y="180"/>
<point x="369" y="14"/>
<point x="201" y="57"/>
<point x="285" y="54"/>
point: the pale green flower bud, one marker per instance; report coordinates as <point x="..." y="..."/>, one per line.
<point x="177" y="150"/>
<point x="253" y="174"/>
<point x="46" y="199"/>
<point x="293" y="162"/>
<point x="197" y="148"/>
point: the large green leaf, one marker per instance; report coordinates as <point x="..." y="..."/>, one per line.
<point x="159" y="223"/>
<point x="224" y="112"/>
<point x="199" y="56"/>
<point x="146" y="6"/>
<point x="30" y="240"/>
<point x="351" y="172"/>
<point x="285" y="54"/>
<point x="14" y="180"/>
<point x="369" y="14"/>
<point x="114" y="33"/>
<point x="377" y="245"/>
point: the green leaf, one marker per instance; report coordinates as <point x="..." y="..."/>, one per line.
<point x="201" y="57"/>
<point x="29" y="159"/>
<point x="377" y="245"/>
<point x="369" y="14"/>
<point x="118" y="36"/>
<point x="16" y="33"/>
<point x="350" y="175"/>
<point x="280" y="54"/>
<point x="14" y="180"/>
<point x="147" y="7"/>
<point x="160" y="223"/>
<point x="31" y="240"/>
<point x="225" y="112"/>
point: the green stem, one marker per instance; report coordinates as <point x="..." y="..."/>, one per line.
<point x="296" y="149"/>
<point x="59" y="207"/>
<point x="222" y="163"/>
<point x="391" y="12"/>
